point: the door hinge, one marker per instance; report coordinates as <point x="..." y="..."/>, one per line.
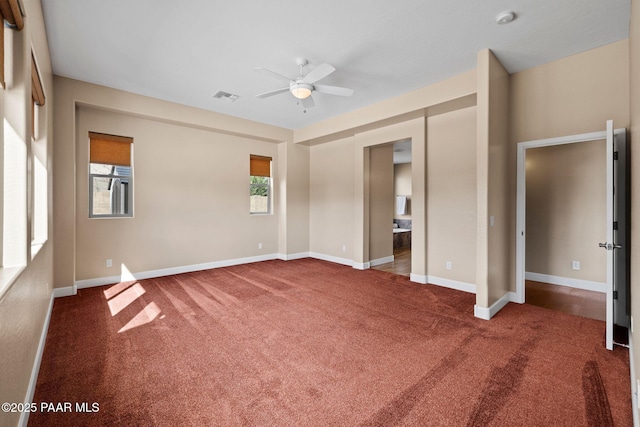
<point x="615" y="294"/>
<point x="615" y="225"/>
<point x="615" y="155"/>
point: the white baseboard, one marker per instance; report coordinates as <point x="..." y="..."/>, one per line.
<point x="24" y="418"/>
<point x="634" y="384"/>
<point x="331" y="258"/>
<point x="488" y="313"/>
<point x="380" y="261"/>
<point x="127" y="276"/>
<point x="361" y="265"/>
<point x="587" y="285"/>
<point x="419" y="278"/>
<point x="453" y="284"/>
<point x="290" y="257"/>
<point x="445" y="283"/>
<point x="64" y="292"/>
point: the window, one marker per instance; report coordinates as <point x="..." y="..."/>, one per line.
<point x="260" y="184"/>
<point x="110" y="176"/>
<point x="39" y="210"/>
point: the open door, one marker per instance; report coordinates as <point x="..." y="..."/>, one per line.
<point x="617" y="222"/>
<point x="609" y="245"/>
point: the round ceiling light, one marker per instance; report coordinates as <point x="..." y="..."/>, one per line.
<point x="300" y="90"/>
<point x="505" y="17"/>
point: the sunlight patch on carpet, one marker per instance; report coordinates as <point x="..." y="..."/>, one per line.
<point x="147" y="315"/>
<point x="122" y="300"/>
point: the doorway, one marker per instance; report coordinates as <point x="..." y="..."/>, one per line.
<point x="401" y="205"/>
<point x="612" y="238"/>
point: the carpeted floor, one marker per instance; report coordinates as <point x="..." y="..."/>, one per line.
<point x="311" y="343"/>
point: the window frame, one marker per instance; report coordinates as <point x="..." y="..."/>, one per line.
<point x="256" y="185"/>
<point x="112" y="176"/>
<point x="257" y="169"/>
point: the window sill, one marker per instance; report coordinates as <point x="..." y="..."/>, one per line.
<point x="36" y="245"/>
<point x="8" y="275"/>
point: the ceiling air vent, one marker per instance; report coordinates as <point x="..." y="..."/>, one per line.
<point x="226" y="96"/>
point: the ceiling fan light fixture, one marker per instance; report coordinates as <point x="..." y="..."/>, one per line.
<point x="301" y="90"/>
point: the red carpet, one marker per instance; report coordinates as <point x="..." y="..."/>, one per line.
<point x="311" y="343"/>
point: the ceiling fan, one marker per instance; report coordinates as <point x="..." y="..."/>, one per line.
<point x="301" y="87"/>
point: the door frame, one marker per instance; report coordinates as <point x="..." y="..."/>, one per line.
<point x="521" y="204"/>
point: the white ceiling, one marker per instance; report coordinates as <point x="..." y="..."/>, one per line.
<point x="186" y="51"/>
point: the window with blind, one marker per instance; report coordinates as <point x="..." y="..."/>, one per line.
<point x="110" y="176"/>
<point x="37" y="97"/>
<point x="260" y="184"/>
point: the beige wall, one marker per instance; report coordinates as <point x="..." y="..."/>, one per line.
<point x="293" y="188"/>
<point x="573" y="95"/>
<point x="570" y="96"/>
<point x="451" y="195"/>
<point x="402" y="187"/>
<point x="492" y="239"/>
<point x="191" y="202"/>
<point x="380" y="202"/>
<point x="634" y="107"/>
<point x="566" y="210"/>
<point x="332" y="200"/>
<point x="24" y="304"/>
<point x="170" y="126"/>
<point x="415" y="130"/>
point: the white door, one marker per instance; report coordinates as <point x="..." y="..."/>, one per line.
<point x="609" y="244"/>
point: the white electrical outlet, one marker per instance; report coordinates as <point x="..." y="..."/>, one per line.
<point x="575" y="265"/>
<point x="344" y="248"/>
<point x="109" y="263"/>
<point x="492" y="221"/>
<point x="259" y="245"/>
<point x="448" y="265"/>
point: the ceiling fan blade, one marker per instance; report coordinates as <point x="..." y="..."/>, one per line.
<point x="272" y="92"/>
<point x="333" y="90"/>
<point x="308" y="102"/>
<point x="273" y="74"/>
<point x="319" y="73"/>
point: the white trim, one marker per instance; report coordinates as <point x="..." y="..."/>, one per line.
<point x="521" y="194"/>
<point x="481" y="312"/>
<point x="331" y="258"/>
<point x="65" y="292"/>
<point x="609" y="236"/>
<point x="453" y="284"/>
<point x="381" y="261"/>
<point x="361" y="265"/>
<point x="100" y="281"/>
<point x="419" y="278"/>
<point x="24" y="417"/>
<point x="634" y="384"/>
<point x="587" y="285"/>
<point x="290" y="257"/>
<point x="488" y="313"/>
<point x="445" y="283"/>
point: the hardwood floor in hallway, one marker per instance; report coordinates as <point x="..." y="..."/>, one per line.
<point x="568" y="300"/>
<point x="559" y="298"/>
<point x="401" y="264"/>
